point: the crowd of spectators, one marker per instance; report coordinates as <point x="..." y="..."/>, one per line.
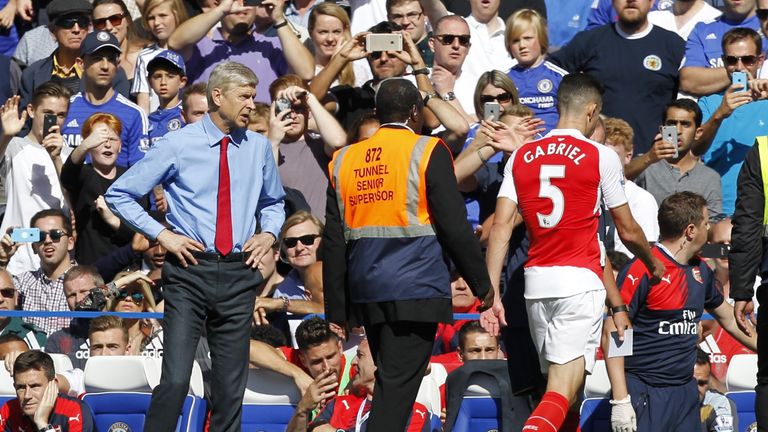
<point x="90" y="87"/>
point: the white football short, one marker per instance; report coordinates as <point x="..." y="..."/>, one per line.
<point x="564" y="329"/>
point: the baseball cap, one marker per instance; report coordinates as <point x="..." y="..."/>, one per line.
<point x="169" y="57"/>
<point x="57" y="8"/>
<point x="97" y="40"/>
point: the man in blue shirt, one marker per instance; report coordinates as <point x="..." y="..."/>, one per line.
<point x="220" y="182"/>
<point x="101" y="56"/>
<point x="702" y="72"/>
<point x="732" y="119"/>
<point x="167" y="76"/>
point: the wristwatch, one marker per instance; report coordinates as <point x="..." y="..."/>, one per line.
<point x="428" y="97"/>
<point x="449" y="96"/>
<point x="618" y="309"/>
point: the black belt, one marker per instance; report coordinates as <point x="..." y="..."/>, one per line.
<point x="215" y="256"/>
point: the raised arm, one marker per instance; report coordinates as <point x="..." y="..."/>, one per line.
<point x="352" y="50"/>
<point x="192" y="30"/>
<point x="434" y="9"/>
<point x="333" y="135"/>
<point x="296" y="54"/>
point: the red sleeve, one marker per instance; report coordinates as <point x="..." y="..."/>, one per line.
<point x="420" y="419"/>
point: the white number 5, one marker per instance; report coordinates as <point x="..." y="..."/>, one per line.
<point x="551" y="192"/>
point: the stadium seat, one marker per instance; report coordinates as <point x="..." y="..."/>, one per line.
<point x="742" y="373"/>
<point x="61" y="362"/>
<point x="119" y="389"/>
<point x="480" y="411"/>
<point x="429" y="391"/>
<point x="7" y="391"/>
<point x="745" y="407"/>
<point x="595" y="414"/>
<point x="269" y="401"/>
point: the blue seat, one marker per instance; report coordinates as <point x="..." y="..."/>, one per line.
<point x="595" y="415"/>
<point x="480" y="409"/>
<point x="110" y="409"/>
<point x="120" y="401"/>
<point x="745" y="407"/>
<point x="269" y="401"/>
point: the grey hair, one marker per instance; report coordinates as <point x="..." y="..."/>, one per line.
<point x="228" y="75"/>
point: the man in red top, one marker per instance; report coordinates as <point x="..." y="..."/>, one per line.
<point x="39" y="406"/>
<point x="350" y="412"/>
<point x="559" y="183"/>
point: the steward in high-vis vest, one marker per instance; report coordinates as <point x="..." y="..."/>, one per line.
<point x="393" y="211"/>
<point x="748" y="259"/>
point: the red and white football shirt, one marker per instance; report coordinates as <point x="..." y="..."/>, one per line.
<point x="558" y="183"/>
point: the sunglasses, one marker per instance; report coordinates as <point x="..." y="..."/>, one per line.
<point x="306" y="240"/>
<point x="500" y="98"/>
<point x="54" y="234"/>
<point x="136" y="297"/>
<point x="762" y="14"/>
<point x="115" y="20"/>
<point x="447" y="39"/>
<point x="747" y="60"/>
<point x="69" y="22"/>
<point x="8" y="292"/>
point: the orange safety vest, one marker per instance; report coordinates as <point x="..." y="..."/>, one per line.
<point x="380" y="185"/>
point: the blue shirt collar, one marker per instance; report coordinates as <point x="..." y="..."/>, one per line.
<point x="214" y="134"/>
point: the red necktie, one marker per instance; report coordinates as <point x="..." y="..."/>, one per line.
<point x="223" y="239"/>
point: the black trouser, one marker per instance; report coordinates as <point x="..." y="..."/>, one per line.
<point x="761" y="390"/>
<point x="401" y="352"/>
<point x="221" y="295"/>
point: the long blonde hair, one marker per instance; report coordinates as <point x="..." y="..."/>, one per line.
<point x="347" y="75"/>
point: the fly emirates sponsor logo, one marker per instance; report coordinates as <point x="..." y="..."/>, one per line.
<point x="688" y="326"/>
<point x="570" y="151"/>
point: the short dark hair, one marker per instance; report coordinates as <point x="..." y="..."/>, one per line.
<point x="395" y="100"/>
<point x="470" y="327"/>
<point x="268" y="334"/>
<point x="679" y="210"/>
<point x="686" y="105"/>
<point x="11" y="337"/>
<point x="392" y="3"/>
<point x="34" y="360"/>
<point x="200" y="88"/>
<point x="578" y="89"/>
<point x="314" y="331"/>
<point x="702" y="358"/>
<point x="385" y="27"/>
<point x="53" y="213"/>
<point x="50" y="89"/>
<point x="739" y="33"/>
<point x="83" y="270"/>
<point x="618" y="260"/>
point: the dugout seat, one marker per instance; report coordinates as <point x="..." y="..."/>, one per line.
<point x="119" y="389"/>
<point x="269" y="402"/>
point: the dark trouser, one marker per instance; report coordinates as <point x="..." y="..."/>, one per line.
<point x="761" y="390"/>
<point x="401" y="352"/>
<point x="224" y="294"/>
<point x="672" y="408"/>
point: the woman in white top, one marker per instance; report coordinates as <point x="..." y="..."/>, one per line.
<point x="328" y="30"/>
<point x="160" y="18"/>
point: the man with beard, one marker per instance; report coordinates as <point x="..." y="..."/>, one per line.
<point x="638" y="87"/>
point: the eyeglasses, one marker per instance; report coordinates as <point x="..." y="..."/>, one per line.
<point x="8" y="292"/>
<point x="115" y="20"/>
<point x="411" y="16"/>
<point x="762" y="14"/>
<point x="500" y="98"/>
<point x="306" y="240"/>
<point x="447" y="39"/>
<point x="747" y="60"/>
<point x="54" y="234"/>
<point x="135" y="297"/>
<point x="68" y="22"/>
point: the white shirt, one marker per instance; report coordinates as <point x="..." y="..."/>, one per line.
<point x="32" y="185"/>
<point x="366" y="14"/>
<point x="666" y="19"/>
<point x="487" y="52"/>
<point x="645" y="210"/>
